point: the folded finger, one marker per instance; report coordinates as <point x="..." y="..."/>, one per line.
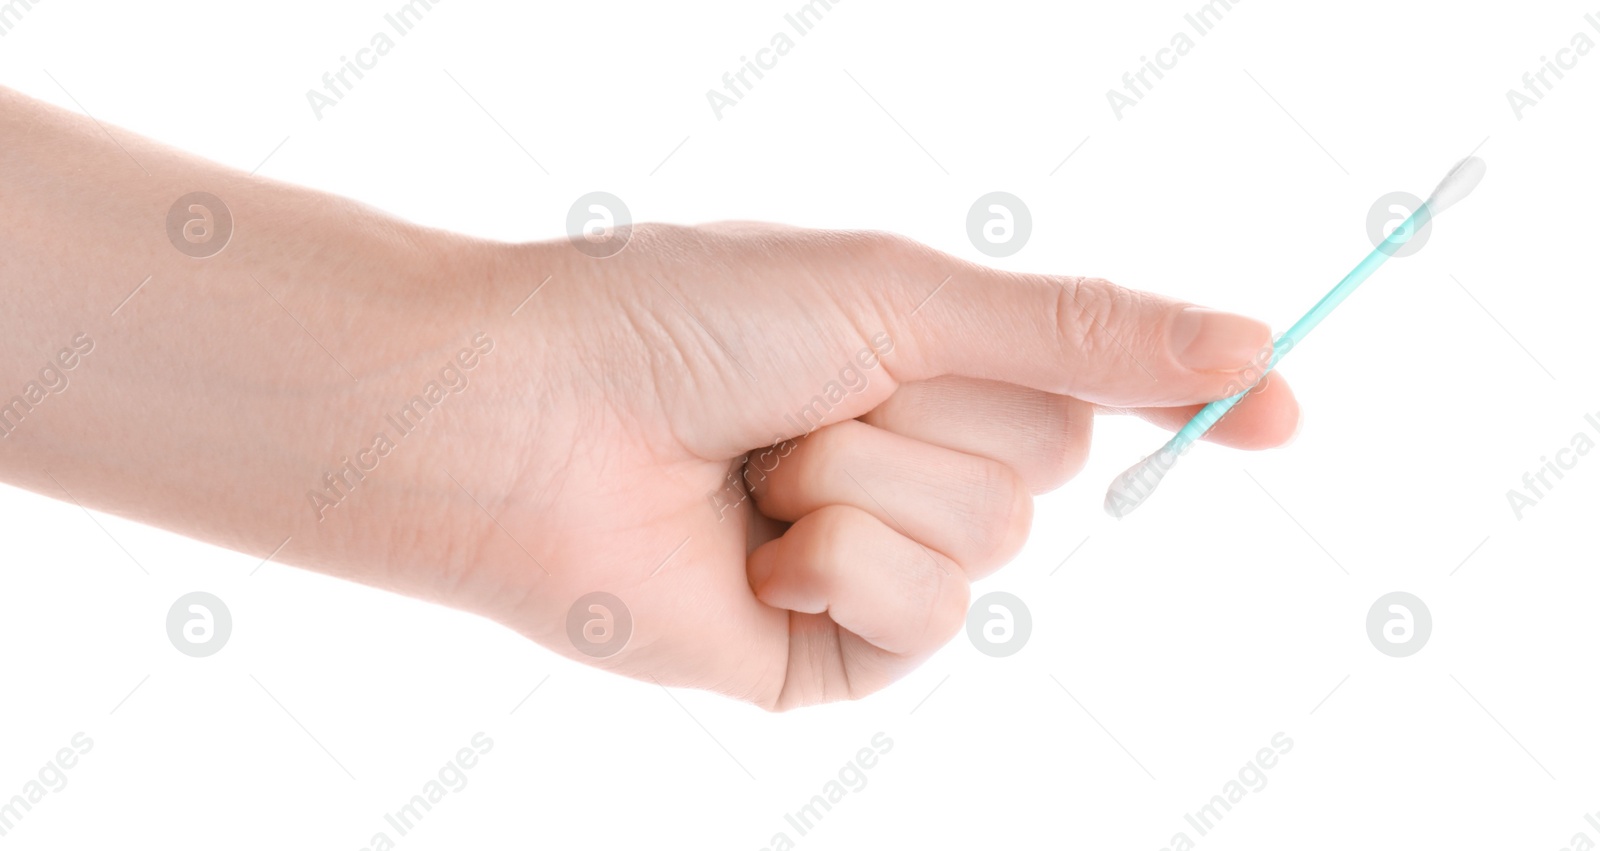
<point x="1043" y="437"/>
<point x="894" y="593"/>
<point x="971" y="509"/>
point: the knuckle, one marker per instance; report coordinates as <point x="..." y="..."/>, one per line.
<point x="1063" y="444"/>
<point x="880" y="243"/>
<point x="811" y="466"/>
<point x="880" y="249"/>
<point x="1002" y="515"/>
<point x="826" y="543"/>
<point x="1098" y="322"/>
<point x="948" y="609"/>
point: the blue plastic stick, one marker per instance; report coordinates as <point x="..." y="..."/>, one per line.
<point x="1131" y="488"/>
<point x="1210" y="414"/>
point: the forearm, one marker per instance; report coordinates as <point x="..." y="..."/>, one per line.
<point x="213" y="395"/>
<point x="421" y="412"/>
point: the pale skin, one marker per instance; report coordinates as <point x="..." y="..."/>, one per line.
<point x="598" y="432"/>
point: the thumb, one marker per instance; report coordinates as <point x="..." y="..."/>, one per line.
<point x="1081" y="337"/>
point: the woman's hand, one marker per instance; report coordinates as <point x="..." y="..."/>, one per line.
<point x="786" y="453"/>
<point x="778" y="456"/>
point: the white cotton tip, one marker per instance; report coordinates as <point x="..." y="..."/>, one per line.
<point x="1129" y="490"/>
<point x="1456" y="185"/>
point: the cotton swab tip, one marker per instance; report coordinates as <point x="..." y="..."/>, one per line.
<point x="1129" y="490"/>
<point x="1458" y="184"/>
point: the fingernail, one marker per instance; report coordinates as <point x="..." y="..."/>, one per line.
<point x="1208" y="340"/>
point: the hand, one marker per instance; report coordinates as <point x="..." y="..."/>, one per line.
<point x="889" y="409"/>
<point x="784" y="453"/>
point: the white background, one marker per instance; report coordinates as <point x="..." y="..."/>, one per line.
<point x="1165" y="651"/>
